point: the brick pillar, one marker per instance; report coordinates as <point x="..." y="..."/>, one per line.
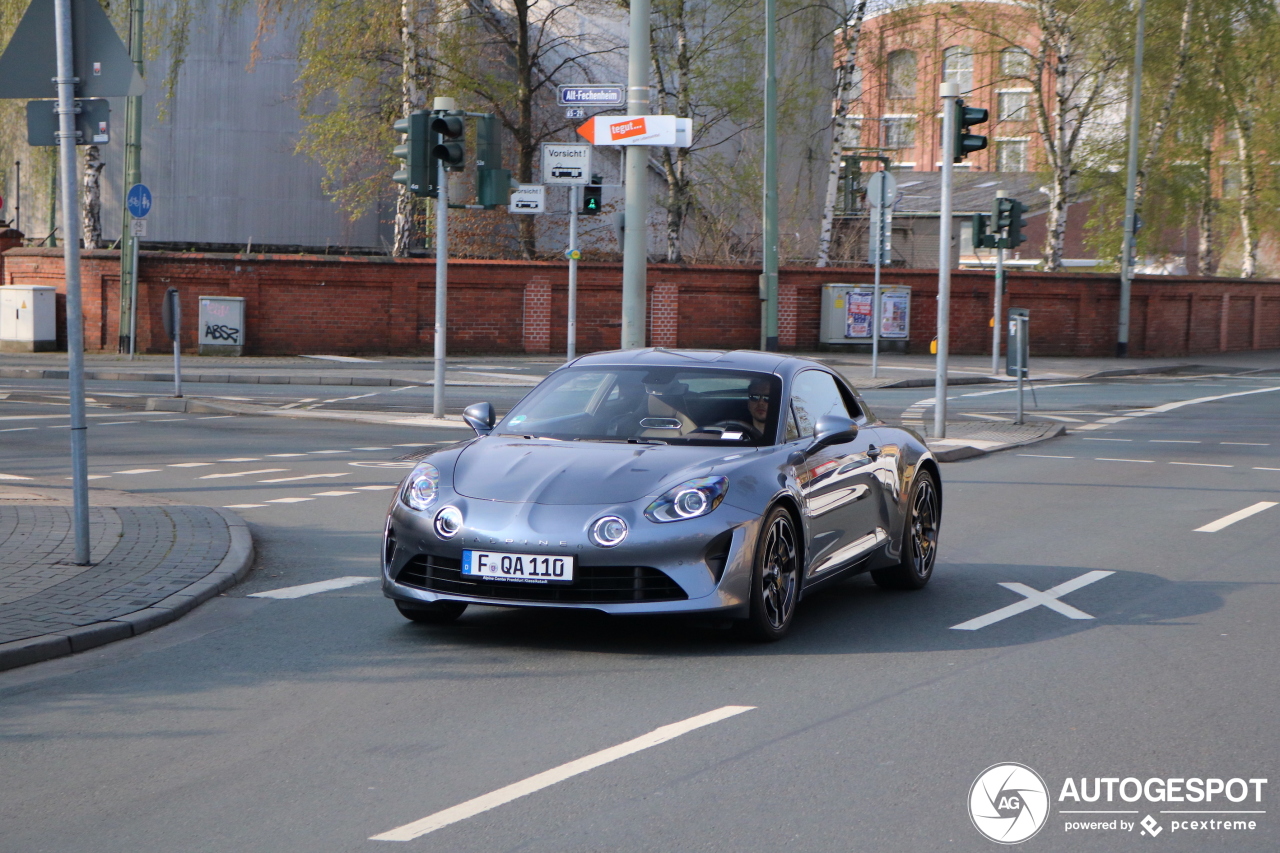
<point x="1224" y="325"/>
<point x="664" y="315"/>
<point x="787" y="320"/>
<point x="537" y="316"/>
<point x="1256" y="339"/>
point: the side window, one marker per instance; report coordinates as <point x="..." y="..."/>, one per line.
<point x="793" y="431"/>
<point x="814" y="394"/>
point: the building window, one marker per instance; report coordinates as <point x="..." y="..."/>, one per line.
<point x="902" y="74"/>
<point x="1011" y="155"/>
<point x="957" y="67"/>
<point x="899" y="132"/>
<point x="1013" y="106"/>
<point x="1015" y="62"/>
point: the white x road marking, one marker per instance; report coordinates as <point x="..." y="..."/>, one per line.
<point x="1035" y="598"/>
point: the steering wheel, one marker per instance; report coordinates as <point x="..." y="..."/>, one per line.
<point x="732" y="425"/>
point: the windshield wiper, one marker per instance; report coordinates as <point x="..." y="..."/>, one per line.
<point x="645" y="441"/>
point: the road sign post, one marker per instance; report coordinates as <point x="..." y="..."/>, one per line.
<point x="171" y="314"/>
<point x="137" y="202"/>
<point x="949" y="93"/>
<point x="571" y="333"/>
<point x="442" y="274"/>
<point x="881" y="188"/>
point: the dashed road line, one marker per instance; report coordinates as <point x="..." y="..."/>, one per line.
<point x="137" y="471"/>
<point x="1240" y="515"/>
<point x="306" y="589"/>
<point x="306" y="477"/>
<point x="547" y="778"/>
<point x="241" y="473"/>
<point x="13" y="477"/>
<point x="1246" y="443"/>
<point x="1173" y="441"/>
<point x="1203" y="464"/>
<point x="1266" y="469"/>
<point x="288" y="500"/>
<point x="243" y="459"/>
<point x="333" y="494"/>
<point x="1108" y="439"/>
<point x="1045" y="456"/>
<point x="282" y="455"/>
<point x="188" y="464"/>
<point x="1108" y="459"/>
<point x="373" y="488"/>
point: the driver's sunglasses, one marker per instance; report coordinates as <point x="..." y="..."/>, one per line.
<point x="756" y="398"/>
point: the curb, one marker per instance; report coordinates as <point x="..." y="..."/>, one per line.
<point x="251" y="378"/>
<point x="968" y="451"/>
<point x="196" y="405"/>
<point x="233" y="568"/>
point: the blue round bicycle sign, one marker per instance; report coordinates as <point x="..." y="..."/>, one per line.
<point x="138" y="201"/>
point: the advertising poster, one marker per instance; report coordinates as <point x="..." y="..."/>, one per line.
<point x="858" y="316"/>
<point x="895" y="313"/>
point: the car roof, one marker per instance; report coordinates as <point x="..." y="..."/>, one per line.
<point x="754" y="360"/>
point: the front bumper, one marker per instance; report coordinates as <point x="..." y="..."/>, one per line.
<point x="698" y="566"/>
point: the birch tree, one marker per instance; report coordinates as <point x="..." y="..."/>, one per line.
<point x="844" y="132"/>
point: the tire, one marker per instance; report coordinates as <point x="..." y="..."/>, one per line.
<point x="775" y="579"/>
<point x="434" y="613"/>
<point x="919" y="538"/>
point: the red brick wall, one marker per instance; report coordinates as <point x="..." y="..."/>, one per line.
<point x="316" y="304"/>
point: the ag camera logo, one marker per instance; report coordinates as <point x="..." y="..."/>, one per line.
<point x="1009" y="803"/>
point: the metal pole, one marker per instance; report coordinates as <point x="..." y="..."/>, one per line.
<point x="132" y="175"/>
<point x="442" y="287"/>
<point x="571" y="334"/>
<point x="1130" y="187"/>
<point x="17" y="204"/>
<point x="882" y="218"/>
<point x="177" y="345"/>
<point x="635" y="247"/>
<point x="949" y="92"/>
<point x="71" y="262"/>
<point x="1022" y="367"/>
<point x="770" y="175"/>
<point x="996" y="322"/>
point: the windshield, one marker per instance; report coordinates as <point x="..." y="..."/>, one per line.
<point x="674" y="405"/>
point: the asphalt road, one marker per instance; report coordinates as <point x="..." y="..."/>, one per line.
<point x="315" y="723"/>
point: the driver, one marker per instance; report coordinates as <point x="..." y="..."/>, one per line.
<point x="758" y="404"/>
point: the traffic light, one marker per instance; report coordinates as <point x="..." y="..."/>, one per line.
<point x="450" y="150"/>
<point x="966" y="142"/>
<point x="493" y="183"/>
<point x="1016" y="224"/>
<point x="981" y="239"/>
<point x="417" y="173"/>
<point x="592" y="196"/>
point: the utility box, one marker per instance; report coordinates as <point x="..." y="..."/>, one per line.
<point x="221" y="323"/>
<point x="846" y="316"/>
<point x="28" y="318"/>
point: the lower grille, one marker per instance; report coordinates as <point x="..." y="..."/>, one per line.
<point x="591" y="584"/>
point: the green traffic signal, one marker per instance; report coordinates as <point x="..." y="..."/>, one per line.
<point x="416" y="173"/>
<point x="592" y="197"/>
<point x="967" y="143"/>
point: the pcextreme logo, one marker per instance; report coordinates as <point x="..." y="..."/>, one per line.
<point x="1009" y="803"/>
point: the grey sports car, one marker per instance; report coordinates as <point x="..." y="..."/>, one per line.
<point x="666" y="481"/>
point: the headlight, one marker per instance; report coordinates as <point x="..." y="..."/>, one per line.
<point x="448" y="522"/>
<point x="688" y="500"/>
<point x="608" y="531"/>
<point x="422" y="487"/>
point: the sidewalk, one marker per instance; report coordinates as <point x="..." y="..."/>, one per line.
<point x="152" y="562"/>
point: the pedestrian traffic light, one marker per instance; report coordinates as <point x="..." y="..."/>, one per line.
<point x="1016" y="224"/>
<point x="592" y="196"/>
<point x="493" y="183"/>
<point x="981" y="239"/>
<point x="415" y="174"/>
<point x="451" y="150"/>
<point x="966" y="142"/>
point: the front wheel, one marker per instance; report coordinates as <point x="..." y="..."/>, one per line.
<point x="775" y="579"/>
<point x="919" y="538"/>
<point x="433" y="613"/>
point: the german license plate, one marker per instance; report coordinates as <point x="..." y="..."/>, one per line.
<point x="521" y="568"/>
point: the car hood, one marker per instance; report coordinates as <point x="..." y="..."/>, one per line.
<point x="499" y="468"/>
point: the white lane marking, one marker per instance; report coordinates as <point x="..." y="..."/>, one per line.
<point x="373" y="488"/>
<point x="18" y="429"/>
<point x="213" y="417"/>
<point x="333" y="494"/>
<point x="1228" y="520"/>
<point x="1112" y="420"/>
<point x="1173" y="441"/>
<point x="1045" y="456"/>
<point x="1203" y="464"/>
<point x="242" y="506"/>
<point x="164" y="420"/>
<point x="1266" y="469"/>
<point x="188" y="464"/>
<point x="1105" y="459"/>
<point x="371" y="448"/>
<point x="1008" y="390"/>
<point x="279" y="455"/>
<point x="13" y="477"/>
<point x="118" y="423"/>
<point x="288" y="500"/>
<point x="94" y="477"/>
<point x="312" y="588"/>
<point x="241" y="473"/>
<point x="1035" y="598"/>
<point x="409" y="445"/>
<point x="547" y="778"/>
<point x="1108" y="439"/>
<point x="1169" y="407"/>
<point x="1087" y="426"/>
<point x="331" y="451"/>
<point x="307" y="477"/>
<point x="1062" y="418"/>
<point x="243" y="459"/>
<point x="137" y="471"/>
<point x="1246" y="443"/>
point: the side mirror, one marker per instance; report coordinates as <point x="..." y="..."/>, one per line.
<point x="480" y="417"/>
<point x="832" y="429"/>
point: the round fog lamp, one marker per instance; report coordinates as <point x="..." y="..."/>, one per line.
<point x="608" y="531"/>
<point x="690" y="502"/>
<point x="448" y="522"/>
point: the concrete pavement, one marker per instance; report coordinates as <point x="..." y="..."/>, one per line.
<point x="151" y="562"/>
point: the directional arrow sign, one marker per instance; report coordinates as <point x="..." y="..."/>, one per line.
<point x="661" y="131"/>
<point x="100" y="59"/>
